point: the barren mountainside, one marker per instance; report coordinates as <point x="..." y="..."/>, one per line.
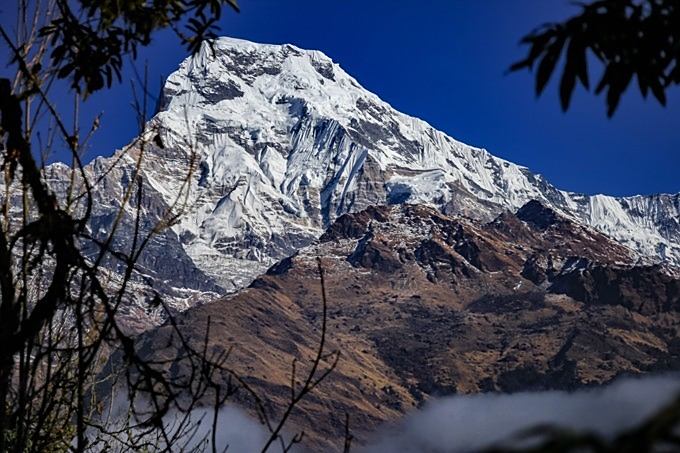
<point x="423" y="304"/>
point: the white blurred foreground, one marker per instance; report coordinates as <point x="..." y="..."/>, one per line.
<point x="470" y="423"/>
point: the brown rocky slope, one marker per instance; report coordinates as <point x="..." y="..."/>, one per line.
<point x="424" y="305"/>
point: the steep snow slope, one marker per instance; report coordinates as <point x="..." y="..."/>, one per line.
<point x="286" y="141"/>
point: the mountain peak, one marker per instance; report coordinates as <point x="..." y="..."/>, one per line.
<point x="237" y="45"/>
<point x="273" y="59"/>
<point x="286" y="142"/>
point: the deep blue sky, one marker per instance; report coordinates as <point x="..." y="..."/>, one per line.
<point x="445" y="61"/>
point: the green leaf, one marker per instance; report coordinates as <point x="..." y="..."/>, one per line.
<point x="577" y="54"/>
<point x="568" y="82"/>
<point x="547" y="65"/>
<point x="644" y="86"/>
<point x="617" y="86"/>
<point x="526" y="63"/>
<point x="658" y="92"/>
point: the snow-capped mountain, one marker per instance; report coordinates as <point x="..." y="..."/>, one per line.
<point x="285" y="141"/>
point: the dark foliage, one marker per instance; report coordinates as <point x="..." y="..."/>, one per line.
<point x="630" y="38"/>
<point x="91" y="37"/>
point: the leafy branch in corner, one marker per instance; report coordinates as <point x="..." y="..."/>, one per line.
<point x="90" y="37"/>
<point x="629" y="38"/>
